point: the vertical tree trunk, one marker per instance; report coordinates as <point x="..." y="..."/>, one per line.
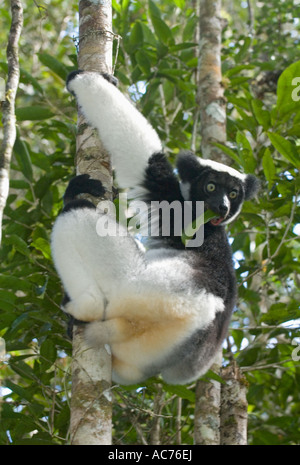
<point x="207" y="410"/>
<point x="233" y="407"/>
<point x="8" y="105"/>
<point x="210" y="98"/>
<point x="213" y="129"/>
<point x="91" y="404"/>
<point x="210" y="90"/>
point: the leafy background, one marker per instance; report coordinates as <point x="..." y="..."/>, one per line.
<point x="156" y="64"/>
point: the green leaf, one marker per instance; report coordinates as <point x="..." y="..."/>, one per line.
<point x="195" y="225"/>
<point x="287" y="86"/>
<point x="136" y="37"/>
<point x="18" y="184"/>
<point x="268" y="166"/>
<point x="21" y="392"/>
<point x="245" y="152"/>
<point x="143" y="61"/>
<point x="236" y="70"/>
<point x="116" y="6"/>
<point x="154" y="10"/>
<point x="279" y="313"/>
<point x="43" y="246"/>
<point x="243" y="50"/>
<point x="55" y="65"/>
<point x="23" y="369"/>
<point x="189" y="28"/>
<point x="48" y="353"/>
<point x="212" y="375"/>
<point x="231" y="153"/>
<point x="28" y="79"/>
<point x="148" y="35"/>
<point x="161" y="29"/>
<point x="23" y="158"/>
<point x="180" y="391"/>
<point x="25" y="77"/>
<point x="33" y="113"/>
<point x="14" y="283"/>
<point x="286" y="148"/>
<point x="18" y="244"/>
<point x="262" y="116"/>
<point x="180" y="3"/>
<point x="183" y="46"/>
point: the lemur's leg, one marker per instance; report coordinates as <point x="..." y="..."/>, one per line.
<point x="124" y="131"/>
<point x="93" y="266"/>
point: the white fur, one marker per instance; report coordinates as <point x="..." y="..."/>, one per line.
<point x="233" y="217"/>
<point x="222" y="168"/>
<point x="125" y="133"/>
<point x="147" y="300"/>
<point x="78" y="251"/>
<point x="185" y="190"/>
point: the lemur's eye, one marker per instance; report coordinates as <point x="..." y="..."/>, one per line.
<point x="233" y="194"/>
<point x="210" y="187"/>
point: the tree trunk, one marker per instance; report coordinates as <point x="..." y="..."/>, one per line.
<point x="91" y="405"/>
<point x="213" y="129"/>
<point x="207" y="409"/>
<point x="8" y="105"/>
<point x="233" y="407"/>
<point x="210" y="98"/>
<point x="210" y="94"/>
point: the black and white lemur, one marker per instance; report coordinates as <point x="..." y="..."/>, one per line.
<point x="166" y="310"/>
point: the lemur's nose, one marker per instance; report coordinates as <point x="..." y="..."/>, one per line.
<point x="223" y="210"/>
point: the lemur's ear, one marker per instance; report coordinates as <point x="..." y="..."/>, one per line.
<point x="188" y="166"/>
<point x="252" y="186"/>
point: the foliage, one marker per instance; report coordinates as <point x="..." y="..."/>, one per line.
<point x="157" y="62"/>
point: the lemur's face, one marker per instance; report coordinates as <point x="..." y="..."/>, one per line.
<point x="222" y="188"/>
<point x="221" y="193"/>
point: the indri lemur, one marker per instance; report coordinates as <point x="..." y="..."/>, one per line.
<point x="165" y="310"/>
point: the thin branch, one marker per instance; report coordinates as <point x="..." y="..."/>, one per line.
<point x="178" y="420"/>
<point x="250" y="17"/>
<point x="8" y="105"/>
<point x="266" y="366"/>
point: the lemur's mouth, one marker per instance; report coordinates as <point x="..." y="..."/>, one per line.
<point x="216" y="221"/>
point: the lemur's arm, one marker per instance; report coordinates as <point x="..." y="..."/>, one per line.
<point x="124" y="131"/>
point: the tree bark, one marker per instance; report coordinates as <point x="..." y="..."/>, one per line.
<point x="210" y="95"/>
<point x="233" y="407"/>
<point x="212" y="129"/>
<point x="207" y="409"/>
<point x="8" y="105"/>
<point x="220" y="413"/>
<point x="211" y="105"/>
<point x="91" y="404"/>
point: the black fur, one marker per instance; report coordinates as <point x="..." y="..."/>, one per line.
<point x="212" y="261"/>
<point x="82" y="184"/>
<point x="251" y="187"/>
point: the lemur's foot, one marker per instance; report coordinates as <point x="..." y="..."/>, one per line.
<point x="83" y="184"/>
<point x="110" y="78"/>
<point x="89" y="306"/>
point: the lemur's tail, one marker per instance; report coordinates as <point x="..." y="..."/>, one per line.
<point x="82" y="184"/>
